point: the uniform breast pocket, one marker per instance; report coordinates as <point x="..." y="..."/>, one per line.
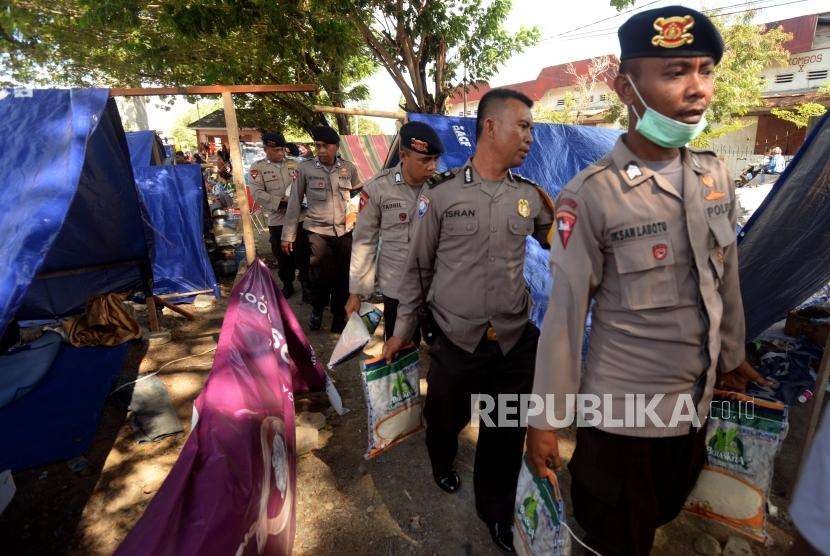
<point x="316" y="191"/>
<point x="723" y="235"/>
<point x="519" y="228"/>
<point x="647" y="279"/>
<point x="395" y="226"/>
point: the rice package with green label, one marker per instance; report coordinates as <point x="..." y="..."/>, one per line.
<point x="742" y="438"/>
<point x="539" y="516"/>
<point x="393" y="399"/>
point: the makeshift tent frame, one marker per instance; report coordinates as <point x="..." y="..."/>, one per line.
<point x="233" y="134"/>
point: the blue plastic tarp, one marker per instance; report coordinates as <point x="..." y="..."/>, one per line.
<point x="174" y="197"/>
<point x="58" y="419"/>
<point x="140" y="144"/>
<point x="69" y="202"/>
<point x="559" y="152"/>
<point x="784" y="249"/>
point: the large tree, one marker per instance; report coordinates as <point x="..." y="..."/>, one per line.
<point x="431" y="47"/>
<point x="169" y="42"/>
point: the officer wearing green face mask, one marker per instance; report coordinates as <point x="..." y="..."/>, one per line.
<point x="648" y="234"/>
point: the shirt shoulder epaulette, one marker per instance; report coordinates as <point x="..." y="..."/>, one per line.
<point x="439" y="178"/>
<point x="702" y="151"/>
<point x="588" y="174"/>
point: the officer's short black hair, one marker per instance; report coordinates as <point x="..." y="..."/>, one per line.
<point x="493" y="99"/>
<point x="629" y="67"/>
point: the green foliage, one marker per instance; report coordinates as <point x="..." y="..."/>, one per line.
<point x="801" y="115"/>
<point x="621" y="4"/>
<point x="567" y="114"/>
<point x="430" y="47"/>
<point x="361" y="125"/>
<point x="168" y="42"/>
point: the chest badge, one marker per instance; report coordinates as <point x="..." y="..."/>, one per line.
<point x="633" y="171"/>
<point x="708" y="180"/>
<point x="524" y="208"/>
<point x="715" y="196"/>
<point x="660" y="251"/>
<point x="398" y="177"/>
<point x="402" y="216"/>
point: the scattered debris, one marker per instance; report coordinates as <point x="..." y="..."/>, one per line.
<point x="707" y="545"/>
<point x="204" y="301"/>
<point x="311" y="419"/>
<point x="306" y="439"/>
<point x="737" y="546"/>
<point x="78" y="465"/>
<point x="416" y="525"/>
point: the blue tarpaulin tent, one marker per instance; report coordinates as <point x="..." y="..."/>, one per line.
<point x="559" y="152"/>
<point x="784" y="249"/>
<point x="175" y="198"/>
<point x="73" y="226"/>
<point x="145" y="147"/>
<point x="72" y="223"/>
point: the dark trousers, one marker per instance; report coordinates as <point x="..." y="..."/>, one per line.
<point x="454" y="376"/>
<point x="302" y="254"/>
<point x="329" y="272"/>
<point x="623" y="487"/>
<point x="390" y="315"/>
<point x="286" y="266"/>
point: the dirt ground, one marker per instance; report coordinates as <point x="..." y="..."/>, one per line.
<point x="345" y="505"/>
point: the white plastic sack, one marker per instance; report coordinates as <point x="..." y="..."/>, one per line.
<point x="357" y="333"/>
<point x="539" y="517"/>
<point x="393" y="399"/>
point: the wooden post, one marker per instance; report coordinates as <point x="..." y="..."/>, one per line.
<point x="239" y="178"/>
<point x="818" y="399"/>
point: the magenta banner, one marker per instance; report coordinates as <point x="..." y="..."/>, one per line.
<point x="232" y="490"/>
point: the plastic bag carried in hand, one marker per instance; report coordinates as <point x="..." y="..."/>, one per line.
<point x="539" y="516"/>
<point x="357" y="333"/>
<point x="393" y="399"/>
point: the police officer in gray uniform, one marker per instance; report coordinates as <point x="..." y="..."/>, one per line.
<point x="469" y="246"/>
<point x="328" y="182"/>
<point x="384" y="224"/>
<point x="272" y="177"/>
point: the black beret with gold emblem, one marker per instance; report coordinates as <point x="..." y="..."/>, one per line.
<point x="421" y="138"/>
<point x="325" y="134"/>
<point x="669" y="32"/>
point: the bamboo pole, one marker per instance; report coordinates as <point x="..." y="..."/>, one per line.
<point x="396" y="115"/>
<point x="239" y="178"/>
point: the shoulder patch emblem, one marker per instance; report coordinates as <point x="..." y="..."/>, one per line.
<point x="254" y="173"/>
<point x="364" y="198"/>
<point x="423" y="205"/>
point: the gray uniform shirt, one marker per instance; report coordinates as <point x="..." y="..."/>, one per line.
<point x="469" y="243"/>
<point x="272" y="187"/>
<point x="388" y="206"/>
<point x="327" y="191"/>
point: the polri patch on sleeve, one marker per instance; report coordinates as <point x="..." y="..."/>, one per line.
<point x="565" y="223"/>
<point x="254" y="173"/>
<point x="423" y="205"/>
<point x="364" y="198"/>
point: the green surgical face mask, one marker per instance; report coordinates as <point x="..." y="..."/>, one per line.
<point x="662" y="130"/>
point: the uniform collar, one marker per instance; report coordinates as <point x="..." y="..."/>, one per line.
<point x="633" y="170"/>
<point x="470" y="177"/>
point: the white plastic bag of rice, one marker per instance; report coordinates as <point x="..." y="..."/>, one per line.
<point x="356" y="334"/>
<point x="393" y="399"/>
<point x="539" y="517"/>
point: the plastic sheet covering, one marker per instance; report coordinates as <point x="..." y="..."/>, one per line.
<point x="141" y="144"/>
<point x="68" y="201"/>
<point x="784" y="249"/>
<point x="174" y="197"/>
<point x="559" y="152"/>
<point x="232" y="490"/>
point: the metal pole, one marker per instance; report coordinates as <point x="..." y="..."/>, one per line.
<point x="239" y="178"/>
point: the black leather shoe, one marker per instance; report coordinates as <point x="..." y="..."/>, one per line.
<point x="502" y="536"/>
<point x="315" y="321"/>
<point x="288" y="290"/>
<point x="306" y="298"/>
<point x="449" y="483"/>
<point x="337" y="325"/>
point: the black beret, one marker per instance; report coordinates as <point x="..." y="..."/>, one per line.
<point x="669" y="32"/>
<point x="325" y="134"/>
<point x="421" y="138"/>
<point x="273" y="140"/>
<point x="293" y="149"/>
